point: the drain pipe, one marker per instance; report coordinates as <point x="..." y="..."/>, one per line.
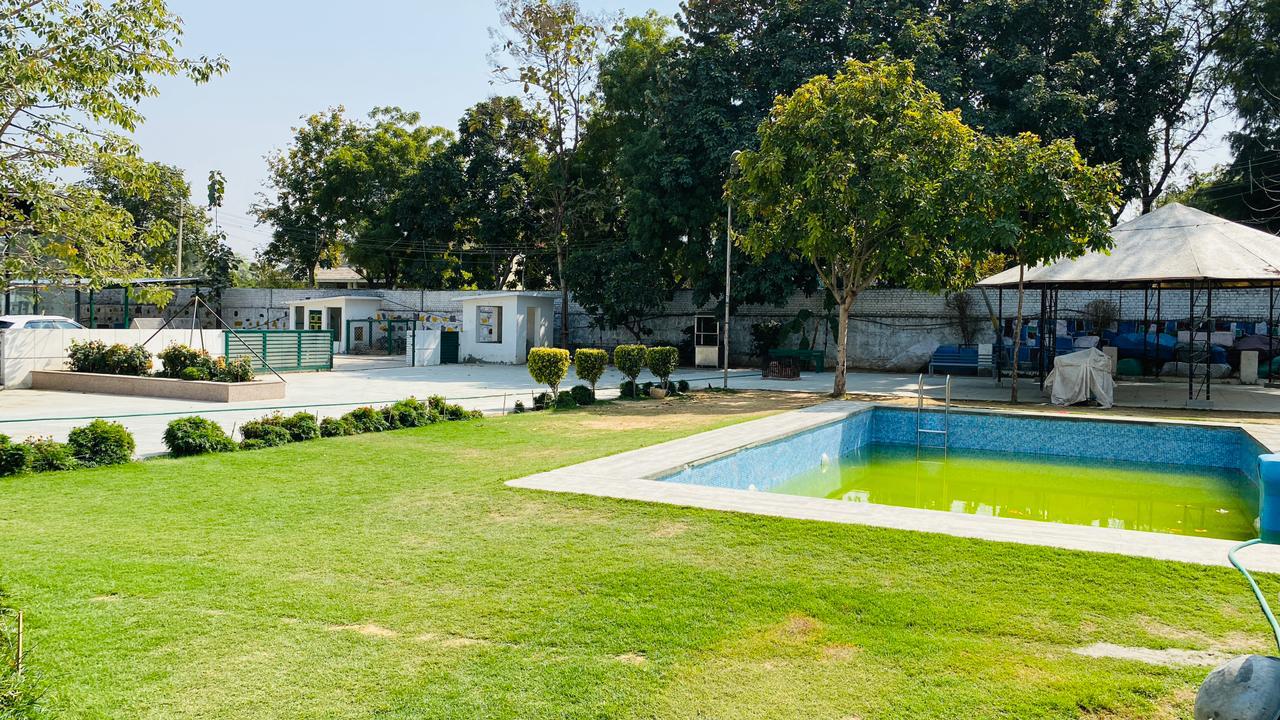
<point x="1248" y="687"/>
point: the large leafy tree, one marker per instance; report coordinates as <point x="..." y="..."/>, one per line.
<point x="1034" y="202"/>
<point x="553" y="48"/>
<point x="840" y="181"/>
<point x="164" y="210"/>
<point x="71" y="77"/>
<point x="304" y="234"/>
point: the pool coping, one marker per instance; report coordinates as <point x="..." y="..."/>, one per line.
<point x="631" y="476"/>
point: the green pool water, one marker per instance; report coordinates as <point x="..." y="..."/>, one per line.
<point x="1180" y="499"/>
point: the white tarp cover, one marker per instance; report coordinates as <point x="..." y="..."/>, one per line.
<point x="1172" y="243"/>
<point x="1078" y="376"/>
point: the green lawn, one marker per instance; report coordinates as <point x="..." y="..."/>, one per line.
<point x="395" y="576"/>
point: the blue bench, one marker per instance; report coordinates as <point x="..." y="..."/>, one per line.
<point x="959" y="357"/>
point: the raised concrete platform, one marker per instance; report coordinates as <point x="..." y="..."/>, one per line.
<point x="155" y="387"/>
<point x="632" y="476"/>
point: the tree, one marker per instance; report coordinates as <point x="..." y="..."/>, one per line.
<point x="304" y="236"/>
<point x="163" y="208"/>
<point x="71" y="77"/>
<point x="555" y="48"/>
<point x="841" y="181"/>
<point x="1036" y="202"/>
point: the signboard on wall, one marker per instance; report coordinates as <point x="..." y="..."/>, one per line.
<point x="489" y="323"/>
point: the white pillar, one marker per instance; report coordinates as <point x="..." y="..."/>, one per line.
<point x="1249" y="367"/>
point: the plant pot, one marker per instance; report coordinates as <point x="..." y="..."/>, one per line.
<point x="657" y="393"/>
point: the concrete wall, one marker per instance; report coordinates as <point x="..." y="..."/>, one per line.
<point x="885" y="321"/>
<point x="22" y="351"/>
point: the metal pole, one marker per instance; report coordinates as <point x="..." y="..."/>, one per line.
<point x="126" y="307"/>
<point x="1146" y="325"/>
<point x="1159" y="331"/>
<point x="728" y="275"/>
<point x="92" y="321"/>
<point x="999" y="335"/>
<point x="180" y="217"/>
<point x="1208" y="346"/>
<point x="1271" y="328"/>
<point x="1191" y="345"/>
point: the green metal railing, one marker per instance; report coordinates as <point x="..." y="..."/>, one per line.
<point x="283" y="350"/>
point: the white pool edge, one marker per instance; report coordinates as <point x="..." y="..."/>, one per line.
<point x="628" y="476"/>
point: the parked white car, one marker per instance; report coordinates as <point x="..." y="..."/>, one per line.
<point x="38" y="322"/>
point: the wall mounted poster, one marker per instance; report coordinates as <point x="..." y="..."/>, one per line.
<point x="489" y="324"/>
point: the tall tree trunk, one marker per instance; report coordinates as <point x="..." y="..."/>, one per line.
<point x="1017" y="333"/>
<point x="842" y="348"/>
<point x="561" y="251"/>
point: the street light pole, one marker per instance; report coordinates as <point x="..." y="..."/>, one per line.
<point x="728" y="276"/>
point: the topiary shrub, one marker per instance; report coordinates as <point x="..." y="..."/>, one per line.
<point x="196" y="436"/>
<point x="589" y="365"/>
<point x="265" y="432"/>
<point x="15" y="458"/>
<point x="87" y="357"/>
<point x="102" y="443"/>
<point x="454" y="411"/>
<point x="302" y="426"/>
<point x="121" y="359"/>
<point x="565" y="401"/>
<point x="366" y="419"/>
<point x="49" y="455"/>
<point x="663" y="361"/>
<point x="410" y="413"/>
<point x="549" y="366"/>
<point x="682" y="386"/>
<point x="336" y="427"/>
<point x="582" y="394"/>
<point x="176" y="360"/>
<point x="630" y="361"/>
<point x="629" y="390"/>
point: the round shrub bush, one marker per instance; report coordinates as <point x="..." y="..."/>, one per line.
<point x="410" y="413"/>
<point x="582" y="394"/>
<point x="49" y="455"/>
<point x="663" y="361"/>
<point x="542" y="401"/>
<point x="193" y="373"/>
<point x="196" y="436"/>
<point x="366" y="419"/>
<point x="176" y="360"/>
<point x="266" y="432"/>
<point x="589" y="365"/>
<point x="549" y="366"/>
<point x="87" y="357"/>
<point x="102" y="443"/>
<point x="302" y="426"/>
<point x="630" y="361"/>
<point x="518" y="407"/>
<point x="15" y="458"/>
<point x="682" y="386"/>
<point x="565" y="401"/>
<point x="121" y="359"/>
<point x="336" y="427"/>
<point x="237" y="371"/>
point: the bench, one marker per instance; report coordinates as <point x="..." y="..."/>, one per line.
<point x="817" y="358"/>
<point x="957" y="357"/>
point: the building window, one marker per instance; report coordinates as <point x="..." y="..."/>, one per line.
<point x="489" y="323"/>
<point x="315" y="320"/>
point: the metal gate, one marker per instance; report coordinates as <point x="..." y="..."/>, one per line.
<point x="284" y="350"/>
<point x="449" y="348"/>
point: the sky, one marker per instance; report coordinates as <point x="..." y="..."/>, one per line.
<point x="291" y="58"/>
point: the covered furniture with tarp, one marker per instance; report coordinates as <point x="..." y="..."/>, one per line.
<point x="1174" y="247"/>
<point x="1080" y="377"/>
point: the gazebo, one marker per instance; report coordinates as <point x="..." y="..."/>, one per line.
<point x="1173" y="247"/>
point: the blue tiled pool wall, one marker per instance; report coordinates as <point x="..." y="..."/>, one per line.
<point x="765" y="466"/>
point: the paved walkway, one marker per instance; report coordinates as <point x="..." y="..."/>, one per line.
<point x="491" y="388"/>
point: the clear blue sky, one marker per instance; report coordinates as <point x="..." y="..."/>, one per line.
<point x="290" y="58"/>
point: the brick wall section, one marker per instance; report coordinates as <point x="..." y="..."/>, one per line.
<point x="885" y="321"/>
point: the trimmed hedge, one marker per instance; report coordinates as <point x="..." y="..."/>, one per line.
<point x="102" y="443"/>
<point x="196" y="436"/>
<point x="15" y="458"/>
<point x="96" y="356"/>
<point x="630" y="361"/>
<point x="269" y="431"/>
<point x="177" y="359"/>
<point x="336" y="427"/>
<point x="366" y="419"/>
<point x="582" y="394"/>
<point x="549" y="366"/>
<point x="49" y="455"/>
<point x="589" y="365"/>
<point x="663" y="361"/>
<point x="410" y="413"/>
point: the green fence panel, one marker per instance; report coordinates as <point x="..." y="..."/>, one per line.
<point x="283" y="350"/>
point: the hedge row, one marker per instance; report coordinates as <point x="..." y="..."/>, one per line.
<point x="549" y="366"/>
<point x="197" y="436"/>
<point x="94" y="445"/>
<point x="180" y="362"/>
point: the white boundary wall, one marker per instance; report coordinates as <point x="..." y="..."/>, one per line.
<point x="22" y="351"/>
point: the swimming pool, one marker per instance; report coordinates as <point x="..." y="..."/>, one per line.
<point x="1177" y="478"/>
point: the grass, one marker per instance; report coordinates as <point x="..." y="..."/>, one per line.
<point x="395" y="576"/>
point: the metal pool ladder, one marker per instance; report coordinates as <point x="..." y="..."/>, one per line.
<point x="921" y="430"/>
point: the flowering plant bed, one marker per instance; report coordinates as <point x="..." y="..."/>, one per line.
<point x="145" y="386"/>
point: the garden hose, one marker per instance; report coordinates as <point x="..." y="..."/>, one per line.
<point x="1257" y="593"/>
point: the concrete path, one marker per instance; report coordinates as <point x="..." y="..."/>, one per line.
<point x="491" y="388"/>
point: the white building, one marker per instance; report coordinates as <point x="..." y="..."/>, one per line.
<point x="501" y="327"/>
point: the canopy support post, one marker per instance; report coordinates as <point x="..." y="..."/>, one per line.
<point x="1271" y="328"/>
<point x="1000" y="335"/>
<point x="1159" y="322"/>
<point x="1208" y="345"/>
<point x="1044" y="300"/>
<point x="1191" y="323"/>
<point x="1146" y="325"/>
